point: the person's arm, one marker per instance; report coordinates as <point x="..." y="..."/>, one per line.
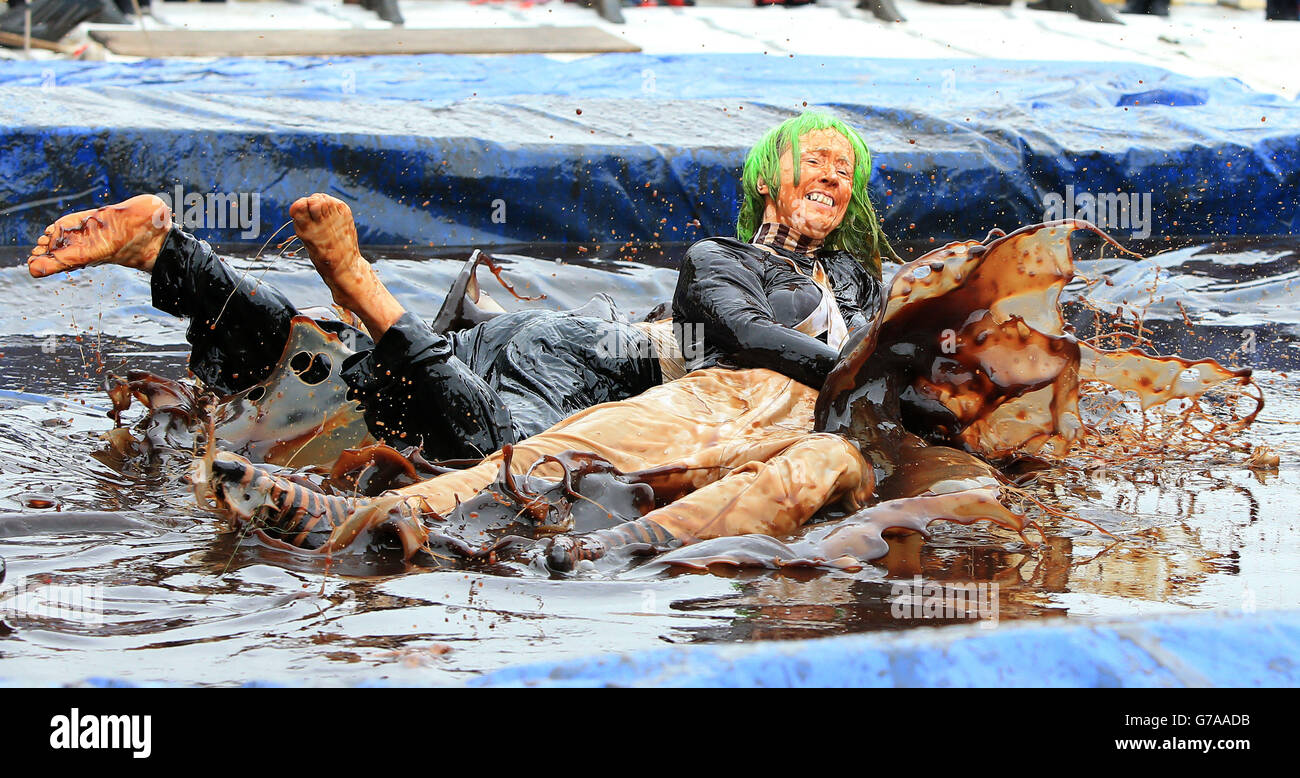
<point x="718" y="289"/>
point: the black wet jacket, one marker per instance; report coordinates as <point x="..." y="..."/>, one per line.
<point x="749" y="301"/>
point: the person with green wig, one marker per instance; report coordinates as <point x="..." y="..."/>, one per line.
<point x="761" y="316"/>
<point x="858" y="232"/>
<point x="804" y="268"/>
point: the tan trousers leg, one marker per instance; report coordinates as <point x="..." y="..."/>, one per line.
<point x="773" y="497"/>
<point x="754" y="425"/>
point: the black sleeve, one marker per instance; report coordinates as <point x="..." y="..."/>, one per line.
<point x="414" y="391"/>
<point x="720" y="287"/>
<point x="238" y="324"/>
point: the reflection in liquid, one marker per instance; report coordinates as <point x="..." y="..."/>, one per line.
<point x="1173" y="531"/>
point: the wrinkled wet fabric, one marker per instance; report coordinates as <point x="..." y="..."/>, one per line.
<point x="458" y="395"/>
<point x="414" y="391"/>
<point x="738" y="438"/>
<point x="971" y="353"/>
<point x="749" y="300"/>
<point x="466" y="394"/>
<point x="734" y="449"/>
<point x="238" y="326"/>
<point x="707" y="424"/>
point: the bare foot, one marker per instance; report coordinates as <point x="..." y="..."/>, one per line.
<point x="128" y="234"/>
<point x="325" y="225"/>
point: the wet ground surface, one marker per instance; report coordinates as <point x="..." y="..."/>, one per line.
<point x="183" y="599"/>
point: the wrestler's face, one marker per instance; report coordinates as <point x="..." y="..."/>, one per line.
<point x="817" y="205"/>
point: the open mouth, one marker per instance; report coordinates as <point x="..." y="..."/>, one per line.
<point x="818" y="197"/>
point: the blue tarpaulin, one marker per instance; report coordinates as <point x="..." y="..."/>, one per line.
<point x="1170" y="651"/>
<point x="450" y="150"/>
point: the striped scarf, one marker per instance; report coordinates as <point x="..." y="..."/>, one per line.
<point x="780" y="235"/>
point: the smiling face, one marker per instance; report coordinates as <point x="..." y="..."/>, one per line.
<point x="816" y="206"/>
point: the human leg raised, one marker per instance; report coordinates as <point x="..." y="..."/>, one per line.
<point x="238" y="326"/>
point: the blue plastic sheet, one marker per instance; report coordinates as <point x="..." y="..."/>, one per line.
<point x="462" y="151"/>
<point x="1170" y="651"/>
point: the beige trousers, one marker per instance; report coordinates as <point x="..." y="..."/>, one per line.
<point x="744" y="438"/>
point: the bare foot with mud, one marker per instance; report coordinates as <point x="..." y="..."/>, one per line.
<point x="325" y="226"/>
<point x="129" y="233"/>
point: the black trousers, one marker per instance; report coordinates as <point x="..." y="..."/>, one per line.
<point x="458" y="395"/>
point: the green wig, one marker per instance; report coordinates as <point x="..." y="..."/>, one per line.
<point x="859" y="233"/>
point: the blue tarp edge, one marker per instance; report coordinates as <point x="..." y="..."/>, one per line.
<point x="583" y="151"/>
